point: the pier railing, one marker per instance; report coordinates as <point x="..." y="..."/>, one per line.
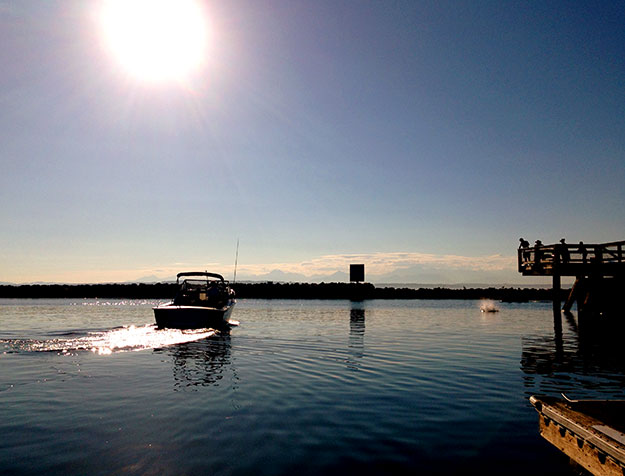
<point x="572" y="259"/>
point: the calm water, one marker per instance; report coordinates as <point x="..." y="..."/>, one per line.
<point x="300" y="387"/>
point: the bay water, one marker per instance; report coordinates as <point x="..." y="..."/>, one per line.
<point x="299" y="387"/>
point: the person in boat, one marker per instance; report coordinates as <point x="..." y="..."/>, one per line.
<point x="525" y="246"/>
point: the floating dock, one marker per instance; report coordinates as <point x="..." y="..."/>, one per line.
<point x="590" y="432"/>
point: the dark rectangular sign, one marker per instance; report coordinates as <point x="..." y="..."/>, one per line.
<point x="357" y="272"/>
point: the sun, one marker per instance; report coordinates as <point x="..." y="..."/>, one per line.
<point x="155" y="40"/>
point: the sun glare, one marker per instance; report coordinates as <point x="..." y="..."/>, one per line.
<point x="156" y="40"/>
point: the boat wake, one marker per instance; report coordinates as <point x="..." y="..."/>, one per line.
<point x="121" y="339"/>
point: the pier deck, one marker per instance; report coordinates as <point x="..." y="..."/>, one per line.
<point x="589" y="263"/>
<point x="605" y="259"/>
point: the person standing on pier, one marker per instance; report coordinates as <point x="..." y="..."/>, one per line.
<point x="525" y="245"/>
<point x="598" y="254"/>
<point x="582" y="250"/>
<point x="564" y="251"/>
<point x="538" y="253"/>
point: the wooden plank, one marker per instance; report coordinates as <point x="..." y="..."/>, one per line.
<point x="611" y="432"/>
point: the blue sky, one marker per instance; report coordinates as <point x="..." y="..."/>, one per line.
<point x="422" y="138"/>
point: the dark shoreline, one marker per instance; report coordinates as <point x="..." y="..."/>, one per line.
<point x="272" y="290"/>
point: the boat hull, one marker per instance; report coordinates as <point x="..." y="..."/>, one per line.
<point x="192" y="317"/>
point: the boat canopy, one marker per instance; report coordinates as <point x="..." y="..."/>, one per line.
<point x="200" y="273"/>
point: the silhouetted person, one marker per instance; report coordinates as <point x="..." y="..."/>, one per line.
<point x="538" y="253"/>
<point x="525" y="245"/>
<point x="564" y="251"/>
<point x="598" y="254"/>
<point x="583" y="251"/>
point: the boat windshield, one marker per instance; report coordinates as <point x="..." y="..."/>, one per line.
<point x="201" y="292"/>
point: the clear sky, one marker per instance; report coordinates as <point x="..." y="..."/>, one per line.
<point x="422" y="138"/>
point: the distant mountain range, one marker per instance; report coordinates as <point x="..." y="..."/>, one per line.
<point x="443" y="277"/>
<point x="424" y="276"/>
<point x="152" y="279"/>
<point x="281" y="276"/>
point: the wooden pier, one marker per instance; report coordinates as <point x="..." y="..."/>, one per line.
<point x="599" y="270"/>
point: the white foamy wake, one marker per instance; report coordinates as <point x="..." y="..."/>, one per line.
<point x="146" y="337"/>
<point x="123" y="339"/>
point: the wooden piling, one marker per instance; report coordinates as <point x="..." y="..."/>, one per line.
<point x="556" y="292"/>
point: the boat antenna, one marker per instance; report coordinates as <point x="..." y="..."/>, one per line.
<point x="236" y="260"/>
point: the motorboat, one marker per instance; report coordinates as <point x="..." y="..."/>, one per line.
<point x="204" y="300"/>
